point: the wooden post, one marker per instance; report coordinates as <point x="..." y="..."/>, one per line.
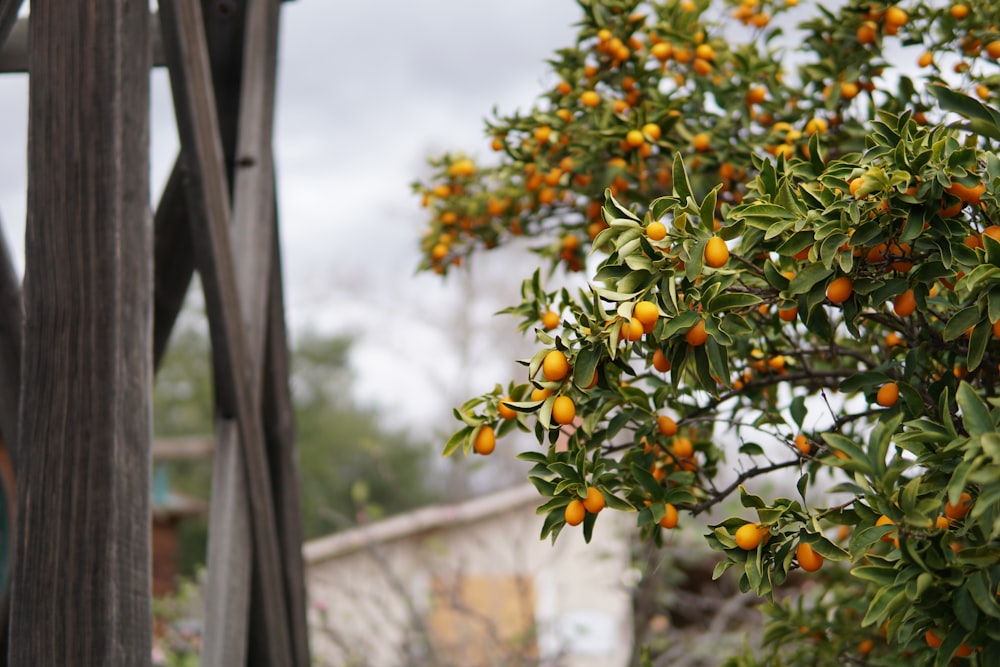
<point x="186" y="51"/>
<point x="81" y="590"/>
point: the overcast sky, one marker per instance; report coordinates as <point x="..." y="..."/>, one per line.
<point x="367" y="90"/>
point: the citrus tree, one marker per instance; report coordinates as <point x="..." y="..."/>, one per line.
<point x="787" y="218"/>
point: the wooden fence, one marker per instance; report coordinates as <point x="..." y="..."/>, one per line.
<point x="105" y="278"/>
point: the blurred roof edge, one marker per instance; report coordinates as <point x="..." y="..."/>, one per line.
<point x="417" y="521"/>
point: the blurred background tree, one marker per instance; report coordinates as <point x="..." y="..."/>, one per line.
<point x="353" y="468"/>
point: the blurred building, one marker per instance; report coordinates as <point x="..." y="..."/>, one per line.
<point x="472" y="585"/>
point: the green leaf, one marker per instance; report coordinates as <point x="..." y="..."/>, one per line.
<point x="878" y="574"/>
<point x="975" y="415"/>
<point x="456" y="440"/>
<point x="961" y="322"/>
<point x="682" y="187"/>
<point x="807" y="277"/>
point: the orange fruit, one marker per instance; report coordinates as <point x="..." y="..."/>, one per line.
<point x="697" y="335"/>
<point x="656" y="231"/>
<point x="701" y="142"/>
<point x="575" y="512"/>
<point x="563" y="410"/>
<point x="633" y="330"/>
<point x="756" y="94"/>
<point x="716" y="252"/>
<point x="634" y="138"/>
<point x="817" y="126"/>
<point x="896" y="17"/>
<point x="594" y="502"/>
<point x="958" y="511"/>
<point x="809" y="560"/>
<point x="555" y="366"/>
<point x="505" y="410"/>
<point x="959" y="11"/>
<point x="802" y="444"/>
<point x="840" y="289"/>
<point x="904" y="304"/>
<point x="887" y="395"/>
<point x="865" y="647"/>
<point x="550" y="320"/>
<point x="868" y="32"/>
<point x="682" y="447"/>
<point x="788" y="314"/>
<point x="590" y="99"/>
<point x="662" y="364"/>
<point x="932" y="639"/>
<point x="486" y="440"/>
<point x="670" y="517"/>
<point x="886" y="521"/>
<point x="892" y="339"/>
<point x="539" y="394"/>
<point x="963" y="651"/>
<point x="855" y="184"/>
<point x="749" y="535"/>
<point x="666" y="425"/>
<point x="925" y="59"/>
<point x="993" y="49"/>
<point x="646" y="312"/>
<point x="993" y="231"/>
<point x="652" y="130"/>
<point x="941" y="523"/>
<point x="968" y="195"/>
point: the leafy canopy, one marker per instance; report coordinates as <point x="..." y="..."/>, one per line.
<point x="845" y="326"/>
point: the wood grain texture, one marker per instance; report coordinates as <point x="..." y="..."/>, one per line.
<point x="81" y="593"/>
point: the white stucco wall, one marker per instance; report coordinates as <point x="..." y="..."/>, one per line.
<point x="372" y="597"/>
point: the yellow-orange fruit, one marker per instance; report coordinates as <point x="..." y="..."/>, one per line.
<point x="555" y="366"/>
<point x="575" y="512"/>
<point x="887" y="395"/>
<point x="904" y="304"/>
<point x="647" y="313"/>
<point x="656" y="231"/>
<point x="716" y="252"/>
<point x="749" y="535"/>
<point x="809" y="560"/>
<point x="670" y="517"/>
<point x="662" y="364"/>
<point x="961" y="509"/>
<point x="486" y="441"/>
<point x="563" y="410"/>
<point x="697" y="335"/>
<point x="666" y="425"/>
<point x="682" y="447"/>
<point x="594" y="502"/>
<point x="505" y="410"/>
<point x="840" y="289"/>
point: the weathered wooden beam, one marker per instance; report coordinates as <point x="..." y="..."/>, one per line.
<point x="81" y="584"/>
<point x="194" y="103"/>
<point x="279" y="430"/>
<point x="173" y="260"/>
<point x="14" y="50"/>
<point x="8" y="17"/>
<point x="11" y="320"/>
